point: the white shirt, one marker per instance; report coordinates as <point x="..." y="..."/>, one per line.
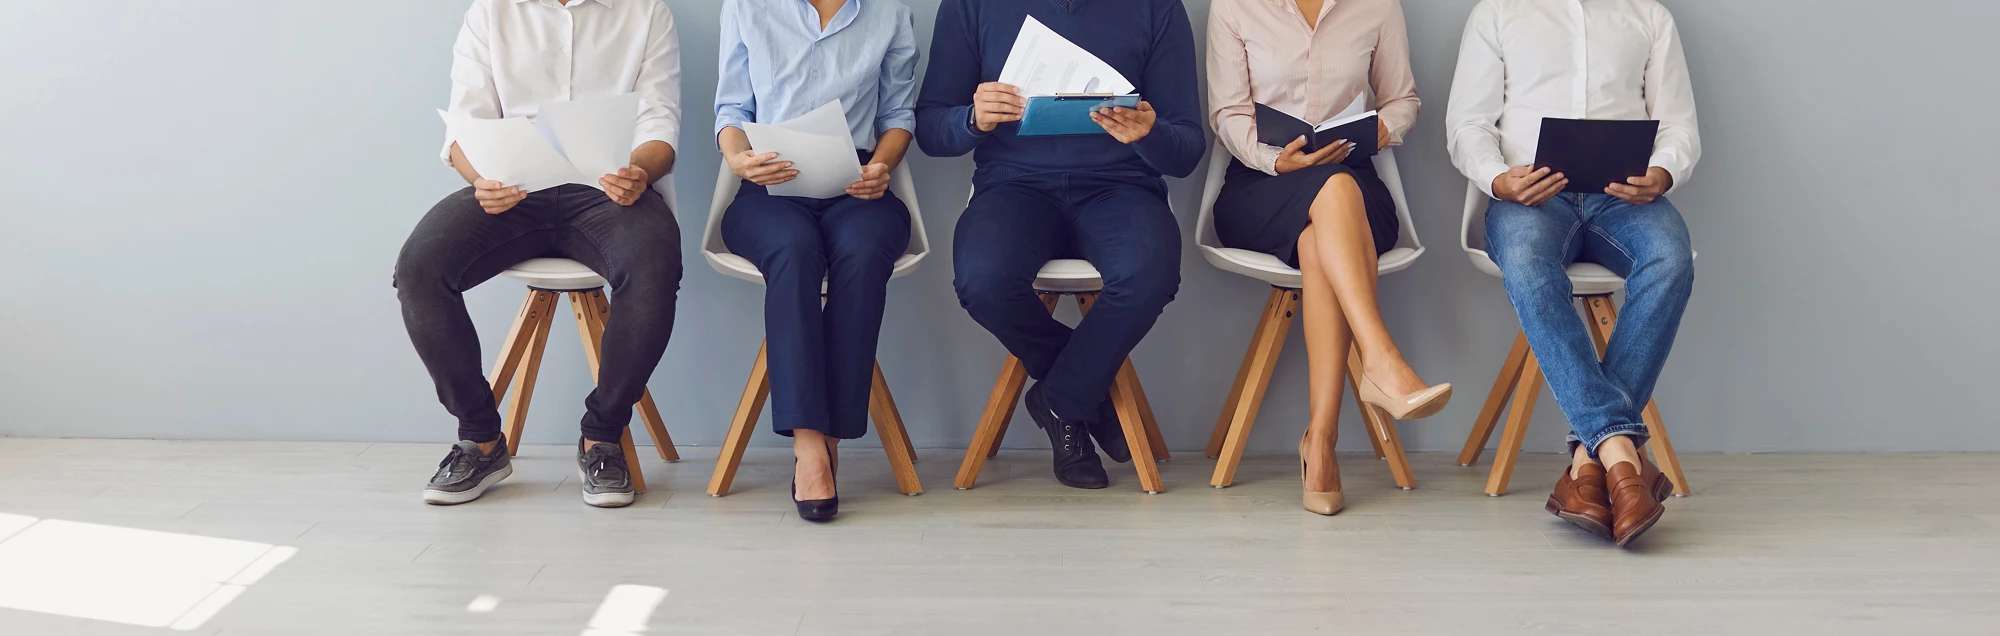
<point x="514" y="55"/>
<point x="1523" y="60"/>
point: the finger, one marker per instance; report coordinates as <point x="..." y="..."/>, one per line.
<point x="1293" y="148"/>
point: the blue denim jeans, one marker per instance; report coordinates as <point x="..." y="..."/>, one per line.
<point x="1646" y="244"/>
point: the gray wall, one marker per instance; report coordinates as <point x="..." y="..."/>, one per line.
<point x="203" y="201"/>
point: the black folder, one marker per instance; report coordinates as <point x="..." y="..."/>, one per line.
<point x="1594" y="153"/>
<point x="1276" y="128"/>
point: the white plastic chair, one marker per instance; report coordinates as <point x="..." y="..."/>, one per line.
<point x="1246" y="396"/>
<point x="521" y="353"/>
<point x="881" y="405"/>
<point x="1079" y="279"/>
<point x="1520" y="379"/>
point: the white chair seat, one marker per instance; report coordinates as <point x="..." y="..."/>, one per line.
<point x="555" y="274"/>
<point x="1069" y="276"/>
<point x="1268" y="268"/>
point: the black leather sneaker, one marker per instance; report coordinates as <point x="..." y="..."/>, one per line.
<point x="607" y="482"/>
<point x="1076" y="461"/>
<point x="466" y="473"/>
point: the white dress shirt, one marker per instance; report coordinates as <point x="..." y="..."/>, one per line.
<point x="1523" y="60"/>
<point x="514" y="55"/>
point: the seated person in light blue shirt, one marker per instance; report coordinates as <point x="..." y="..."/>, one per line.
<point x="780" y="60"/>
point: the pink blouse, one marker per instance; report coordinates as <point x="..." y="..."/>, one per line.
<point x="1261" y="51"/>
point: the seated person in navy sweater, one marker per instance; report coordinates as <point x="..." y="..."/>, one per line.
<point x="1098" y="198"/>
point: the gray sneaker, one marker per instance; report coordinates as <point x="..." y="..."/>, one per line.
<point x="607" y="483"/>
<point x="465" y="473"/>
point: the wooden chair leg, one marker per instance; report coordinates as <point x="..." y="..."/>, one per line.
<point x="516" y="416"/>
<point x="1381" y="428"/>
<point x="1273" y="327"/>
<point x="1603" y="318"/>
<point x="1125" y="398"/>
<point x="992" y="428"/>
<point x="1154" y="439"/>
<point x="1228" y="414"/>
<point x="517" y="341"/>
<point x="1496" y="399"/>
<point x="895" y="440"/>
<point x="1525" y="393"/>
<point x="591" y="309"/>
<point x="741" y="425"/>
<point x="648" y="413"/>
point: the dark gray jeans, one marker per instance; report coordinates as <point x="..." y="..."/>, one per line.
<point x="458" y="245"/>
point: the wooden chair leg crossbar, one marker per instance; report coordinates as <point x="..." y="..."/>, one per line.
<point x="1520" y="384"/>
<point x="1253" y="379"/>
<point x="881" y="407"/>
<point x="521" y="360"/>
<point x="1135" y="413"/>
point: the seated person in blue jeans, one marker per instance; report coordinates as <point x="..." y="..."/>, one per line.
<point x="512" y="57"/>
<point x="1521" y="62"/>
<point x="1097" y="197"/>
<point x="782" y="59"/>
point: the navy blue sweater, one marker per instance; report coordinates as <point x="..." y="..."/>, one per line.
<point x="1148" y="41"/>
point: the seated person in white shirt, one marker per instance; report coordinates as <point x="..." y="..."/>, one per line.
<point x="511" y="57"/>
<point x="1522" y="60"/>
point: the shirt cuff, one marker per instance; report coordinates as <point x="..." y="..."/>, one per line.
<point x="964" y="116"/>
<point x="1670" y="161"/>
<point x="1484" y="175"/>
<point x="1267" y="158"/>
<point x="661" y="132"/>
<point x="905" y="120"/>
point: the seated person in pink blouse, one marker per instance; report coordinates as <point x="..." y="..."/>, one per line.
<point x="1310" y="59"/>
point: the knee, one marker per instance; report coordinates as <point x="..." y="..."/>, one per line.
<point x="657" y="272"/>
<point x="1674" y="267"/>
<point x="980" y="289"/>
<point x="420" y="269"/>
<point x="1151" y="290"/>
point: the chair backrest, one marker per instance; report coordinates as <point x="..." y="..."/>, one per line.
<point x="726" y="185"/>
<point x="1218" y="167"/>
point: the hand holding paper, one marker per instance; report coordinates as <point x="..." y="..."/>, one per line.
<point x="1044" y="63"/>
<point x="566" y="143"/>
<point x="819" y="148"/>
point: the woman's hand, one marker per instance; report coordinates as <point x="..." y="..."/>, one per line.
<point x="874" y="181"/>
<point x="1292" y="156"/>
<point x="761" y="168"/>
<point x="1381" y="134"/>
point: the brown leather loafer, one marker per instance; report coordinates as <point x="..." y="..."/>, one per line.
<point x="1581" y="500"/>
<point x="1662" y="487"/>
<point x="1634" y="505"/>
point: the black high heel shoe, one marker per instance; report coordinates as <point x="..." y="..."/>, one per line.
<point x="818" y="509"/>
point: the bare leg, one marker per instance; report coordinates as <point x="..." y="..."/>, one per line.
<point x="1617" y="448"/>
<point x="1347" y="259"/>
<point x="1580" y="459"/>
<point x="813" y="477"/>
<point x="1327" y="341"/>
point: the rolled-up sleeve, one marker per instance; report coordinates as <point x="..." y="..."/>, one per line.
<point x="1478" y="95"/>
<point x="472" y="90"/>
<point x="659" y="83"/>
<point x="1670" y="99"/>
<point x="735" y="96"/>
<point x="899" y="78"/>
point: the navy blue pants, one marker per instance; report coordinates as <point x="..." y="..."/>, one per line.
<point x="821" y="357"/>
<point x="1121" y="225"/>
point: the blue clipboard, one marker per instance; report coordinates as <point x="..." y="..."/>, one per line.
<point x="1069" y="114"/>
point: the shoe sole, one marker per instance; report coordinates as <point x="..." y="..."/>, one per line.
<point x="1663" y="487"/>
<point x="606" y="499"/>
<point x="1587" y="524"/>
<point x="444" y="498"/>
<point x="1430" y="408"/>
<point x="1643" y="527"/>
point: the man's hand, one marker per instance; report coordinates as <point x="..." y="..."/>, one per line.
<point x="761" y="168"/>
<point x="874" y="181"/>
<point x="625" y="185"/>
<point x="1127" y="125"/>
<point x="1381" y="134"/>
<point x="996" y="103"/>
<point x="1527" y="186"/>
<point x="1294" y="157"/>
<point x="495" y="197"/>
<point x="1643" y="190"/>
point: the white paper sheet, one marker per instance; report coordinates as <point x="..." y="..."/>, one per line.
<point x="1354" y="112"/>
<point x="820" y="147"/>
<point x="567" y="142"/>
<point x="1044" y="63"/>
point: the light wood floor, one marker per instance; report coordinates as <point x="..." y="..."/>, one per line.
<point x="1769" y="544"/>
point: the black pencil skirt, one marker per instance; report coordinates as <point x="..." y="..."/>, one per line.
<point x="1263" y="213"/>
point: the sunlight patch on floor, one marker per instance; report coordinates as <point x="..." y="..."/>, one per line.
<point x="125" y="575"/>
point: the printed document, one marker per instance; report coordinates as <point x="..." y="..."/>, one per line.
<point x="1044" y="63"/>
<point x="566" y="142"/>
<point x="820" y="147"/>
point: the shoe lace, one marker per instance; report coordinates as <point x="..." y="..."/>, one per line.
<point x="605" y="464"/>
<point x="455" y="462"/>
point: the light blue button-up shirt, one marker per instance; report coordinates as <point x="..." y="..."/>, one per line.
<point x="777" y="64"/>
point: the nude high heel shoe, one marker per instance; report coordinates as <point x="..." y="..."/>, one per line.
<point x="1418" y="405"/>
<point x="1320" y="503"/>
